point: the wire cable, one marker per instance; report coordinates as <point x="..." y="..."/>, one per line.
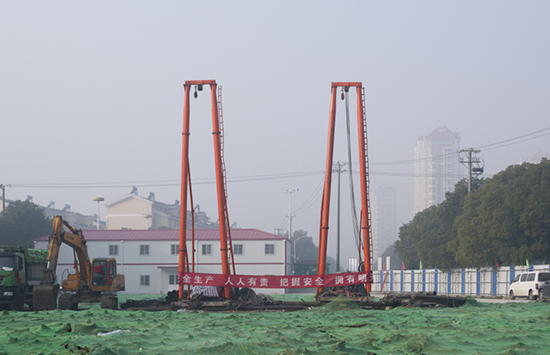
<point x="237" y="179"/>
<point x="314" y="197"/>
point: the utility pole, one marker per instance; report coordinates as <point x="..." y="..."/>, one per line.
<point x="339" y="167"/>
<point x="290" y="191"/>
<point x="3" y="187"/>
<point x="472" y="171"/>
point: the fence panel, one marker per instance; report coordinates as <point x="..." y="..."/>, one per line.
<point x="488" y="281"/>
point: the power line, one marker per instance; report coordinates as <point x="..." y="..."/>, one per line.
<point x="398" y="162"/>
<point x="173" y="183"/>
<point x="524" y="140"/>
<point x="314" y="197"/>
<point x="237" y="179"/>
<point x="512" y="139"/>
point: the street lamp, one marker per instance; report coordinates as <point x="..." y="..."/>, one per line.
<point x="146" y="216"/>
<point x="98" y="199"/>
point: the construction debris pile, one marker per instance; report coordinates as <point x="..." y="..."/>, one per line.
<point x="248" y="300"/>
<point x="422" y="299"/>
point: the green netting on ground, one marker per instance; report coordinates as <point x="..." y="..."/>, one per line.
<point x="295" y="297"/>
<point x="341" y="303"/>
<point x="513" y="328"/>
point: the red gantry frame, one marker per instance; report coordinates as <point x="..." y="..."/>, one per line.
<point x="364" y="176"/>
<point x="225" y="236"/>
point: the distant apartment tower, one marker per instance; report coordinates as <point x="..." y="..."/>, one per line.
<point x="536" y="158"/>
<point x="436" y="167"/>
<point x="384" y="220"/>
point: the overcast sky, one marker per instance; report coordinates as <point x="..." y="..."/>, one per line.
<point x="91" y="96"/>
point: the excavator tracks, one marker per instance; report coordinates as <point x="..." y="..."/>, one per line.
<point x="109" y="302"/>
<point x="68" y="301"/>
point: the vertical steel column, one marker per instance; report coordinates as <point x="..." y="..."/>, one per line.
<point x="325" y="208"/>
<point x="220" y="186"/>
<point x="365" y="227"/>
<point x="184" y="183"/>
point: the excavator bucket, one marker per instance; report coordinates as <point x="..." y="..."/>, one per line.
<point x="44" y="297"/>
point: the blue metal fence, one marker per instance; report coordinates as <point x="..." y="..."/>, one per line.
<point x="490" y="281"/>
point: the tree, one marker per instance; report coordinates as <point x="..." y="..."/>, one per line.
<point x="431" y="236"/>
<point x="307" y="251"/>
<point x="395" y="261"/>
<point x="436" y="249"/>
<point x="303" y="246"/>
<point x="509" y="219"/>
<point x="410" y="236"/>
<point x="21" y="222"/>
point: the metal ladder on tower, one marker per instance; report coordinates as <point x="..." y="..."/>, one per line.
<point x="226" y="213"/>
<point x="365" y="144"/>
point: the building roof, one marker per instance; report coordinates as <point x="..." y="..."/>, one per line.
<point x="171" y="234"/>
<point x="128" y="197"/>
<point x="150" y="200"/>
<point x="443" y="134"/>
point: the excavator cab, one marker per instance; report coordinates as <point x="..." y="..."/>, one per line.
<point x="103" y="272"/>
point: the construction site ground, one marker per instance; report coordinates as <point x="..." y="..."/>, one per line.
<point x="339" y="327"/>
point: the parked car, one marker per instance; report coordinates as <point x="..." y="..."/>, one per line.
<point x="528" y="284"/>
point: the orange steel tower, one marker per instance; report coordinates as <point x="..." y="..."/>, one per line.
<point x="225" y="236"/>
<point x="364" y="176"/>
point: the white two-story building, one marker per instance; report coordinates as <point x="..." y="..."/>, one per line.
<point x="149" y="258"/>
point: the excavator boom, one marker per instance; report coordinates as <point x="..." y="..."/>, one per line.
<point x="45" y="294"/>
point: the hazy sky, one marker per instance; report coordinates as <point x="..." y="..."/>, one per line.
<point x="91" y="96"/>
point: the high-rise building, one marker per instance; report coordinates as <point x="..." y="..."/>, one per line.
<point x="536" y="158"/>
<point x="436" y="167"/>
<point x="384" y="220"/>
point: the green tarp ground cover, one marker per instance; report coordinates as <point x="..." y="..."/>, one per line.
<point x="337" y="328"/>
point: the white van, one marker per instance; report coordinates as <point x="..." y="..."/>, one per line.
<point x="526" y="284"/>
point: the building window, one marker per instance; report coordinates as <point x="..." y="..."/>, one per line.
<point x="270" y="249"/>
<point x="144" y="280"/>
<point x="174" y="249"/>
<point x="172" y="279"/>
<point x="238" y="249"/>
<point x="143" y="250"/>
<point x="113" y="249"/>
<point x="207" y="249"/>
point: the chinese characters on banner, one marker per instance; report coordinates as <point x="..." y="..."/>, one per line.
<point x="295" y="281"/>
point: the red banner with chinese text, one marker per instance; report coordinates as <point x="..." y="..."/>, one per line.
<point x="294" y="281"/>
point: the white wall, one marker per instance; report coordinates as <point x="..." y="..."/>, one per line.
<point x="160" y="263"/>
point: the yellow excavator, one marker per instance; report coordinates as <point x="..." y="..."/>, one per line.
<point x="93" y="281"/>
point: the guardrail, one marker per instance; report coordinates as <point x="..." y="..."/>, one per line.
<point x="488" y="281"/>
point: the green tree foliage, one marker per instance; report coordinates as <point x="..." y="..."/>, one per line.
<point x="21" y="222"/>
<point x="430" y="236"/>
<point x="307" y="251"/>
<point x="395" y="261"/>
<point x="504" y="218"/>
<point x="509" y="219"/>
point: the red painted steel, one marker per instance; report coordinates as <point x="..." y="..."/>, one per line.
<point x="185" y="183"/>
<point x="365" y="227"/>
<point x="324" y="225"/>
<point x="220" y="186"/>
<point x="323" y="233"/>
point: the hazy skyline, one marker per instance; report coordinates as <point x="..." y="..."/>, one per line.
<point x="91" y="96"/>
